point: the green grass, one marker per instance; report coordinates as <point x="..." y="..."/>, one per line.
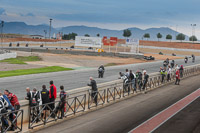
<point x="111" y="64"/>
<point x="21" y="59"/>
<point x="33" y="71"/>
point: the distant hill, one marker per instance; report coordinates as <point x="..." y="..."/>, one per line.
<point x="23" y="28"/>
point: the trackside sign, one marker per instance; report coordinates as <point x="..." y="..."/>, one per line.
<point x="88" y="41"/>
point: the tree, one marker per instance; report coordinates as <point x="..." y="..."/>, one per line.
<point x="169" y="37"/>
<point x="159" y="36"/>
<point x="147" y="35"/>
<point x="127" y="33"/>
<point x="193" y="38"/>
<point x="180" y="37"/>
<point x="98" y="35"/>
<point x="87" y="35"/>
<point x="70" y="36"/>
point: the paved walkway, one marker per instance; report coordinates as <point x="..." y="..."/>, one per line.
<point x="124" y="116"/>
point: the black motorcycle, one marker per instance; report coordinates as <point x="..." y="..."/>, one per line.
<point x="101" y="72"/>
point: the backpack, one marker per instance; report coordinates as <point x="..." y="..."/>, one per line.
<point x="34" y="99"/>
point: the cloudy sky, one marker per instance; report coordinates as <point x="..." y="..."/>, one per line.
<point x="109" y="14"/>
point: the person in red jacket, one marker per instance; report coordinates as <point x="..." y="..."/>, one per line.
<point x="52" y="94"/>
<point x="13" y="99"/>
<point x="177" y="77"/>
<point x="15" y="103"/>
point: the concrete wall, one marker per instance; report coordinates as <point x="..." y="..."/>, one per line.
<point x="8" y="55"/>
<point x="77" y="52"/>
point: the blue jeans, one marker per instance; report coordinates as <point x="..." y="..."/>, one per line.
<point x="133" y="84"/>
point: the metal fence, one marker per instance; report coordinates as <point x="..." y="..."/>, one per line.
<point x="106" y="94"/>
<point x="11" y="120"/>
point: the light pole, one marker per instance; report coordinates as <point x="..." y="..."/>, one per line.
<point x="45" y="33"/>
<point x="50" y="20"/>
<point x="193" y="31"/>
<point x="2" y="24"/>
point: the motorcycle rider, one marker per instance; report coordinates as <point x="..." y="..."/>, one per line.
<point x="193" y="58"/>
<point x="186" y="59"/>
<point x="101" y="71"/>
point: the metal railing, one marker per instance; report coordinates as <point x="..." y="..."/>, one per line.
<point x="9" y="121"/>
<point x="96" y="98"/>
<point x="46" y="113"/>
<point x="106" y="94"/>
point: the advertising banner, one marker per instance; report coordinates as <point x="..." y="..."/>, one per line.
<point x="88" y="41"/>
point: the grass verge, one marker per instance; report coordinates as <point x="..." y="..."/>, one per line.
<point x="21" y="59"/>
<point x="32" y="71"/>
<point x="111" y="64"/>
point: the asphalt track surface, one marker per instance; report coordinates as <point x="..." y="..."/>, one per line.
<point x="125" y="115"/>
<point x="77" y="78"/>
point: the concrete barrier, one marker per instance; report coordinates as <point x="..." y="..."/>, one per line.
<point x="114" y="89"/>
<point x="76" y="52"/>
<point x="8" y="55"/>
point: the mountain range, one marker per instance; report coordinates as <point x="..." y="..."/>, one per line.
<point x="23" y="28"/>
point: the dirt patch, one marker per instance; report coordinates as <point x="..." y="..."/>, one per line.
<point x="7" y="67"/>
<point x="168" y="52"/>
<point x="181" y="45"/>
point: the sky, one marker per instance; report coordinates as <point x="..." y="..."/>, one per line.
<point x="109" y="14"/>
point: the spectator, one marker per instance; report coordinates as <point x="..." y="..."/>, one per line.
<point x="45" y="100"/>
<point x="132" y="79"/>
<point x="127" y="73"/>
<point x="52" y="96"/>
<point x="169" y="73"/>
<point x="62" y="103"/>
<point x="125" y="81"/>
<point x="162" y="72"/>
<point x="13" y="99"/>
<point x="172" y="64"/>
<point x="176" y="67"/>
<point x="139" y="79"/>
<point x="35" y="103"/>
<point x="146" y="77"/>
<point x="4" y="122"/>
<point x="28" y="95"/>
<point x="177" y="77"/>
<point x="181" y="71"/>
<point x="15" y="103"/>
<point x="94" y="90"/>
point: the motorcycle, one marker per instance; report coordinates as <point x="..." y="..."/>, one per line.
<point x="101" y="72"/>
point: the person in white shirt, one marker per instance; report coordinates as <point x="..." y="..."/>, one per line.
<point x="169" y="73"/>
